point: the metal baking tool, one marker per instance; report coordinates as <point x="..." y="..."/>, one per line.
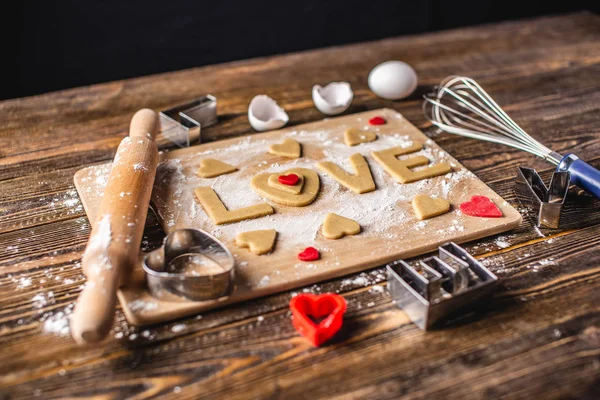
<point x="547" y="202"/>
<point x="449" y="284"/>
<point x="190" y="265"/>
<point x="182" y="124"/>
<point x="460" y="106"/>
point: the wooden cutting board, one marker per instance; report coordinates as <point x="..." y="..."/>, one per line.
<point x="390" y="230"/>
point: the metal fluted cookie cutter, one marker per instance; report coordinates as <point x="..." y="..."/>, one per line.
<point x="438" y="287"/>
<point x="182" y="124"/>
<point x="547" y="202"/>
<point x="190" y="265"/>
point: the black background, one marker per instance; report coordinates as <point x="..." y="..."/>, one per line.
<point x="52" y="45"/>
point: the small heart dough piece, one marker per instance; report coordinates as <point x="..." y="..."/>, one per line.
<point x="354" y="136"/>
<point x="295" y="189"/>
<point x="308" y="194"/>
<point x="258" y="242"/>
<point x="289" y="148"/>
<point x="480" y="206"/>
<point x="209" y="168"/>
<point x="336" y="226"/>
<point x="425" y="207"/>
<point x="219" y="214"/>
<point x="359" y="182"/>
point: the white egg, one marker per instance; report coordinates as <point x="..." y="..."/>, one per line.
<point x="393" y="80"/>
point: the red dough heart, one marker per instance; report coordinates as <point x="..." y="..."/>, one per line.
<point x="327" y="307"/>
<point x="309" y="254"/>
<point x="289" y="180"/>
<point x="377" y="121"/>
<point x="481" y="206"/>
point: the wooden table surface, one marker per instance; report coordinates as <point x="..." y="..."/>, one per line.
<point x="540" y="337"/>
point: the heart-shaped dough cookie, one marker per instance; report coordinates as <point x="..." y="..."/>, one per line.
<point x="481" y="206"/>
<point x="309" y="254"/>
<point x="308" y="194"/>
<point x="426" y="207"/>
<point x="336" y="226"/>
<point x="289" y="148"/>
<point x="293" y="189"/>
<point x="354" y="136"/>
<point x="258" y="242"/>
<point x="209" y="168"/>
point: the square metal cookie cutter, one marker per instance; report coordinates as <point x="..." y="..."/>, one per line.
<point x="182" y="124"/>
<point x="442" y="286"/>
<point x="547" y="202"/>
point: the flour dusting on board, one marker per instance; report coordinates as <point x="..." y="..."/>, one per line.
<point x="377" y="211"/>
<point x="390" y="229"/>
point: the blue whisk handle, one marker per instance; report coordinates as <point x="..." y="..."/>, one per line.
<point x="582" y="174"/>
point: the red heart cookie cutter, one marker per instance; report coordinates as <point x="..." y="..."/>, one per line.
<point x="480" y="206"/>
<point x="289" y="180"/>
<point x="329" y="308"/>
<point x="377" y="121"/>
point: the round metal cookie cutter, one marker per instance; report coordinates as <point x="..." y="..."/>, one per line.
<point x="190" y="265"/>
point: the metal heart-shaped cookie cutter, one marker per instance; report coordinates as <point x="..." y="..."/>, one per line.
<point x="190" y="265"/>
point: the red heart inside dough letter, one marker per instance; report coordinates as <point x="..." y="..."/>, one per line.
<point x="377" y="121"/>
<point x="327" y="308"/>
<point x="481" y="206"/>
<point x="289" y="180"/>
<point x="309" y="254"/>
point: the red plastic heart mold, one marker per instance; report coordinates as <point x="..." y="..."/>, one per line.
<point x="289" y="180"/>
<point x="329" y="308"/>
<point x="377" y="121"/>
<point x="480" y="206"/>
<point x="309" y="254"/>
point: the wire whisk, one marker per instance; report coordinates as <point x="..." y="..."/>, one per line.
<point x="460" y="106"/>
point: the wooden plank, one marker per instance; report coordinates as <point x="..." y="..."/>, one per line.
<point x="378" y="334"/>
<point x="298" y="228"/>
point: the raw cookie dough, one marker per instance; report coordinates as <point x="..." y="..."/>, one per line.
<point x="220" y="215"/>
<point x="258" y="242"/>
<point x="400" y="169"/>
<point x="310" y="190"/>
<point x="426" y="207"/>
<point x="336" y="226"/>
<point x="354" y="136"/>
<point x="209" y="168"/>
<point x="289" y="148"/>
<point x="295" y="189"/>
<point x="360" y="182"/>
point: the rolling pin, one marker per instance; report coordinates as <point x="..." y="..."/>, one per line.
<point x="114" y="245"/>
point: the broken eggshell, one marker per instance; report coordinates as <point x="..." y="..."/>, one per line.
<point x="265" y="114"/>
<point x="335" y="98"/>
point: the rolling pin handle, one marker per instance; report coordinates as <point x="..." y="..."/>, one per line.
<point x="143" y="123"/>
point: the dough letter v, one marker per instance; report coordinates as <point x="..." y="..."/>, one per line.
<point x="360" y="182"/>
